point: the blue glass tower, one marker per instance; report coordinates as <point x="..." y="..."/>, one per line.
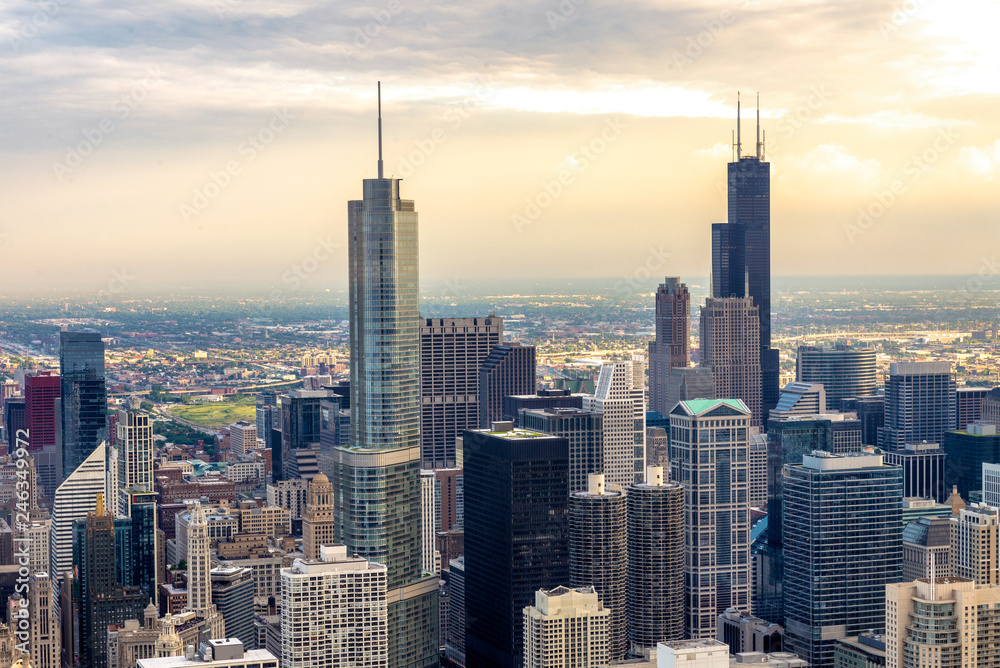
<point x="376" y="478"/>
<point x="84" y="397"/>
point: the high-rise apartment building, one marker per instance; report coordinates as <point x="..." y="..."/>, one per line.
<point x="730" y="347"/>
<point x="508" y="370"/>
<point x="941" y="621"/>
<point x="334" y="612"/>
<point x="671" y="347"/>
<point x="842" y="542"/>
<point x="430" y="558"/>
<point x="620" y="399"/>
<point x="516" y="535"/>
<point x="585" y="431"/>
<point x="376" y="481"/>
<point x="83" y="397"/>
<point x="566" y="627"/>
<point x="135" y="459"/>
<point x="598" y="554"/>
<point x="242" y="438"/>
<point x="41" y="402"/>
<point x="710" y="443"/>
<point x="656" y="572"/>
<point x="974" y="544"/>
<point x="75" y="498"/>
<point x="925" y="540"/>
<point x="741" y="259"/>
<point x="842" y="370"/>
<point x="232" y="594"/>
<point x="452" y="351"/>
<point x="919" y="404"/>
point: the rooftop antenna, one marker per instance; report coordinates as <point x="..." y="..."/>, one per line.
<point x="739" y="144"/>
<point x="380" y="129"/>
<point x="732" y="145"/>
<point x="758" y="126"/>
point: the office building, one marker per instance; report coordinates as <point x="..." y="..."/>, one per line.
<point x="545" y="398"/>
<point x="300" y="435"/>
<point x="838" y="561"/>
<point x="454" y="645"/>
<point x="216" y="653"/>
<point x="730" y="347"/>
<point x="14" y="420"/>
<point x="43" y="422"/>
<point x="452" y="351"/>
<point x="671" y="347"/>
<point x="800" y="399"/>
<point x="134" y="458"/>
<point x="969" y="405"/>
<point x="290" y="495"/>
<point x="696" y="653"/>
<point x="710" y="443"/>
<point x="334" y="612"/>
<point x="871" y="414"/>
<point x="919" y="403"/>
<point x="842" y="370"/>
<point x="42" y="625"/>
<point x="990" y="408"/>
<point x="83" y="397"/>
<point x="866" y="650"/>
<point x="199" y="573"/>
<point x="566" y="627"/>
<point x="136" y="544"/>
<point x="318" y="520"/>
<point x="516" y="535"/>
<point x="264" y="416"/>
<point x="598" y="555"/>
<point x="925" y="540"/>
<point x="758" y="470"/>
<point x="508" y="370"/>
<point x="914" y="509"/>
<point x="657" y="445"/>
<point x="75" y="498"/>
<point x="991" y="485"/>
<point x="620" y="399"/>
<point x="928" y="623"/>
<point x="693" y="382"/>
<point x="430" y="558"/>
<point x="242" y="438"/>
<point x="449" y="499"/>
<point x="232" y="594"/>
<point x="656" y="571"/>
<point x="923" y="470"/>
<point x="584" y="429"/>
<point x="746" y="633"/>
<point x="376" y="481"/>
<point x="974" y="544"/>
<point x="966" y="452"/>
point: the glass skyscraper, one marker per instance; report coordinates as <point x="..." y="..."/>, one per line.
<point x="376" y="476"/>
<point x="84" y="397"/>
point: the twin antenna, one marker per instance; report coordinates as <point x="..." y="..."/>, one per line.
<point x="380" y="129"/>
<point x="738" y="144"/>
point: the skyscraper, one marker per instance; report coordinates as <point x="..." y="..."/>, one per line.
<point x="75" y="498"/>
<point x="671" y="347"/>
<point x="974" y="544"/>
<point x="516" y="535"/>
<point x="41" y="399"/>
<point x="711" y="448"/>
<point x="83" y="397"/>
<point x="923" y="470"/>
<point x="135" y="458"/>
<point x="842" y="545"/>
<point x="919" y="403"/>
<point x="232" y="594"/>
<point x="376" y="479"/>
<point x="199" y="573"/>
<point x="741" y="252"/>
<point x="300" y="435"/>
<point x="966" y="451"/>
<point x="729" y="347"/>
<point x="452" y="350"/>
<point x="598" y="554"/>
<point x="843" y="371"/>
<point x="508" y="370"/>
<point x="656" y="574"/>
<point x="585" y="432"/>
<point x="566" y="627"/>
<point x="620" y="399"/>
<point x="318" y="519"/>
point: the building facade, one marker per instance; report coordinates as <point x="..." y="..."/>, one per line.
<point x="508" y="370"/>
<point x="730" y="347"/>
<point x="671" y="347"/>
<point x="584" y="429"/>
<point x="842" y="370"/>
<point x="919" y="404"/>
<point x="620" y="399"/>
<point x="83" y="397"/>
<point x="566" y="627"/>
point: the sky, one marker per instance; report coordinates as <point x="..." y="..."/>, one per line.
<point x="209" y="142"/>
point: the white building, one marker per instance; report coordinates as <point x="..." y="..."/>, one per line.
<point x="704" y="653"/>
<point x="991" y="484"/>
<point x="199" y="584"/>
<point x="339" y="600"/>
<point x="134" y="457"/>
<point x="242" y="438"/>
<point x="566" y="627"/>
<point x="430" y="558"/>
<point x="245" y="471"/>
<point x="222" y="653"/>
<point x="619" y="396"/>
<point x="289" y="494"/>
<point x="76" y="497"/>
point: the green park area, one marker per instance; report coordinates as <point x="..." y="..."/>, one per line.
<point x="213" y="415"/>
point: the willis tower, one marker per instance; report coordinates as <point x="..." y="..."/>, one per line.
<point x="741" y="250"/>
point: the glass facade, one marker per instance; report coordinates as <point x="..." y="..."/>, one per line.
<point x="844" y="372"/>
<point x="84" y="397"/>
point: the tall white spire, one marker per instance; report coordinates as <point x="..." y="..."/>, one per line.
<point x="380" y="129"/>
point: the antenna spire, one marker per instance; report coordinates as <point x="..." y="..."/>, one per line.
<point x="380" y="129"/>
<point x="758" y="126"/>
<point x="739" y="144"/>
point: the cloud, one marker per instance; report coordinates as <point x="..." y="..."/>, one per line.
<point x="981" y="161"/>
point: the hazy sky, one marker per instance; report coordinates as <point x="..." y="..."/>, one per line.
<point x="212" y="140"/>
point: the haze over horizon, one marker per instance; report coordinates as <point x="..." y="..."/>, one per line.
<point x="209" y="143"/>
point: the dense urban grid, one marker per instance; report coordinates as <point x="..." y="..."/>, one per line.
<point x="591" y="477"/>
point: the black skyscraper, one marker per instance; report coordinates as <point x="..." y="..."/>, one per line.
<point x="741" y="251"/>
<point x="84" y="397"/>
